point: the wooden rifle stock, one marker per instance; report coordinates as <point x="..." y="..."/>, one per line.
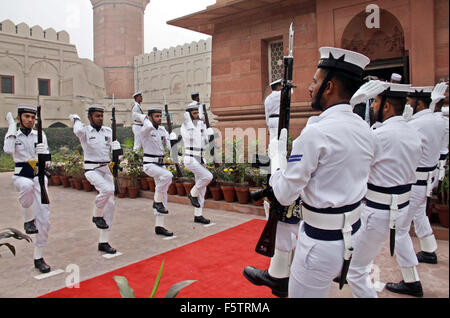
<point x="170" y="129"/>
<point x="116" y="153"/>
<point x="42" y="159"/>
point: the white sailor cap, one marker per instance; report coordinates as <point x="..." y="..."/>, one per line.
<point x="395" y="90"/>
<point x="137" y="94"/>
<point x="351" y="62"/>
<point x="155" y="109"/>
<point x="275" y="83"/>
<point x="96" y="108"/>
<point x="21" y="108"/>
<point x="396" y="77"/>
<point x="420" y="92"/>
<point x="194" y="95"/>
<point x="192" y="106"/>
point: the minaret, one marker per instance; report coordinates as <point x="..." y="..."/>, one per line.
<point x="118" y="38"/>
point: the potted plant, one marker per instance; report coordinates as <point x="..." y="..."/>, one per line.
<point x="214" y="186"/>
<point x="242" y="187"/>
<point x="53" y="169"/>
<point x="172" y="188"/>
<point x="134" y="170"/>
<point x="227" y="184"/>
<point x="188" y="180"/>
<point x="255" y="174"/>
<point x="143" y="181"/>
<point x="442" y="204"/>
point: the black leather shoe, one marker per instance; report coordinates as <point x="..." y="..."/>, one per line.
<point x="100" y="222"/>
<point x="425" y="257"/>
<point x="41" y="265"/>
<point x="338" y="279"/>
<point x="201" y="219"/>
<point x="162" y="231"/>
<point x="412" y="289"/>
<point x="194" y="200"/>
<point x="258" y="277"/>
<point x="30" y="227"/>
<point x="160" y="207"/>
<point x="105" y="247"/>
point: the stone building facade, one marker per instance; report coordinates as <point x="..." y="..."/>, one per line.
<point x="412" y="39"/>
<point x="34" y="60"/>
<point x="175" y="73"/>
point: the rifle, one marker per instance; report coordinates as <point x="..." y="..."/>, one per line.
<point x="116" y="153"/>
<point x="211" y="138"/>
<point x="266" y="242"/>
<point x="170" y="129"/>
<point x="42" y="159"/>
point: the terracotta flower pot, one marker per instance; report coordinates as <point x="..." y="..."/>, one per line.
<point x="151" y="184"/>
<point x="50" y="181"/>
<point x="172" y="189"/>
<point x="228" y="193"/>
<point x="257" y="203"/>
<point x="65" y="181"/>
<point x="122" y="192"/>
<point x="180" y="188"/>
<point x="72" y="184"/>
<point x="56" y="180"/>
<point x="442" y="211"/>
<point x="188" y="186"/>
<point x="208" y="194"/>
<point x="133" y="192"/>
<point x="78" y="184"/>
<point x="216" y="193"/>
<point x="87" y="186"/>
<point x="144" y="184"/>
<point x="243" y="194"/>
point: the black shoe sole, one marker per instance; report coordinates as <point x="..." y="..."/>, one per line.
<point x="419" y="295"/>
<point x="427" y="261"/>
<point x="275" y="292"/>
<point x="43" y="271"/>
<point x="33" y="232"/>
<point x="193" y="204"/>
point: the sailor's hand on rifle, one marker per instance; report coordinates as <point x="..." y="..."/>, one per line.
<point x="278" y="151"/>
<point x="74" y="117"/>
<point x="41" y="149"/>
<point x="115" y="145"/>
<point x="173" y="136"/>
<point x="367" y="91"/>
<point x="408" y="112"/>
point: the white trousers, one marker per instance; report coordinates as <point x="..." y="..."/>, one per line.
<point x="316" y="263"/>
<point x="286" y="239"/>
<point x="137" y="137"/>
<point x="273" y="128"/>
<point x="30" y="199"/>
<point x="202" y="177"/>
<point x="369" y="242"/>
<point x="103" y="181"/>
<point x="163" y="179"/>
<point x="417" y="206"/>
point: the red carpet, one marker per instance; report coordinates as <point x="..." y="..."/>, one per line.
<point x="216" y="262"/>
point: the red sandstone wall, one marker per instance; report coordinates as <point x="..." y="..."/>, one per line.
<point x="441" y="39"/>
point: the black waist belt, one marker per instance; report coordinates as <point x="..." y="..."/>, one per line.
<point x="330" y="235"/>
<point x="388" y="190"/>
<point x="97" y="163"/>
<point x="195" y="149"/>
<point x="426" y="169"/>
<point x="443" y="156"/>
<point x="153" y="156"/>
<point x="27" y="170"/>
<point x="274" y="116"/>
<point x="138" y="124"/>
<point x="199" y="159"/>
<point x="160" y="159"/>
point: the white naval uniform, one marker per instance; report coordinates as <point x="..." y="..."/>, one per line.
<point x="431" y="133"/>
<point x="328" y="168"/>
<point x="22" y="148"/>
<point x="153" y="142"/>
<point x="440" y="173"/>
<point x="137" y="126"/>
<point x="195" y="139"/>
<point x="97" y="148"/>
<point x="397" y="153"/>
<point x="272" y="107"/>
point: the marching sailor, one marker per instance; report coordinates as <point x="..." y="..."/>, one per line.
<point x="393" y="171"/>
<point x="330" y="154"/>
<point x="272" y="108"/>
<point x="154" y="137"/>
<point x="22" y="145"/>
<point x="96" y="141"/>
<point x="136" y="109"/>
<point x="195" y="137"/>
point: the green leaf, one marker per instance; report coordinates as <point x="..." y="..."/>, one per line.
<point x="158" y="278"/>
<point x="15" y="234"/>
<point x="11" y="248"/>
<point x="124" y="288"/>
<point x="175" y="288"/>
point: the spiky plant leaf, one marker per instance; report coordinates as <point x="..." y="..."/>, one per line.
<point x="124" y="288"/>
<point x="11" y="248"/>
<point x="175" y="288"/>
<point x="158" y="278"/>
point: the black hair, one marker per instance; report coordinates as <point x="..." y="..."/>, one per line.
<point x="398" y="104"/>
<point x="347" y="84"/>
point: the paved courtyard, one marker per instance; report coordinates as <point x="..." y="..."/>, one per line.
<point x="73" y="240"/>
